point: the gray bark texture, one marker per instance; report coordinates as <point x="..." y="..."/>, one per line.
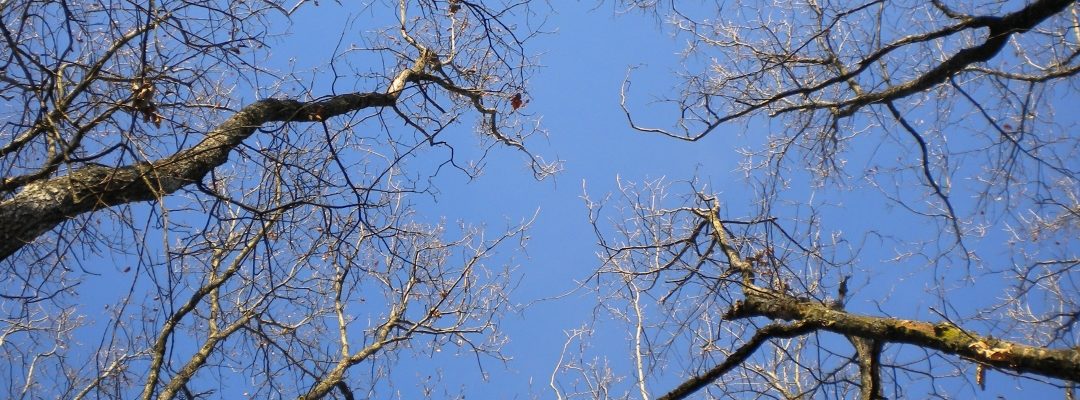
<point x="42" y="205"/>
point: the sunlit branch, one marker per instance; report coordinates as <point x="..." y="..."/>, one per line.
<point x="797" y="99"/>
<point x="944" y="336"/>
<point x="42" y="205"/>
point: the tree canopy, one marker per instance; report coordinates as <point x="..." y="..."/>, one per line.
<point x="181" y="213"/>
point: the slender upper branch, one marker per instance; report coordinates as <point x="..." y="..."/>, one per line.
<point x="737" y="358"/>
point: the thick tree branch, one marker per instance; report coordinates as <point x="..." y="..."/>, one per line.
<point x="42" y="205"/>
<point x="944" y="337"/>
<point x="868" y="333"/>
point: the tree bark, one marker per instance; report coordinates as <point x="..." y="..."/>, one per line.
<point x="943" y="336"/>
<point x="868" y="355"/>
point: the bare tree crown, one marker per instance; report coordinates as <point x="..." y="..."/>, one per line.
<point x="913" y="195"/>
<point x="267" y="222"/>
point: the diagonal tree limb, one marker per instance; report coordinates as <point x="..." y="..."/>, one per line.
<point x="44" y="204"/>
<point x="868" y="334"/>
<point x="944" y="337"/>
<point x="738" y="357"/>
<point x="1001" y="29"/>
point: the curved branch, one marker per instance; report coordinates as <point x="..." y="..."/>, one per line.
<point x="42" y="205"/>
<point x="1001" y="28"/>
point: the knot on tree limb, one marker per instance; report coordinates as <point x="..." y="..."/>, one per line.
<point x="737" y="262"/>
<point x="423" y="62"/>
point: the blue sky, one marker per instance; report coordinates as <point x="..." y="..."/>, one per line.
<point x="575" y="92"/>
<point x="575" y="95"/>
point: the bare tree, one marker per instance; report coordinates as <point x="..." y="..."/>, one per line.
<point x="163" y="237"/>
<point x="908" y="227"/>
